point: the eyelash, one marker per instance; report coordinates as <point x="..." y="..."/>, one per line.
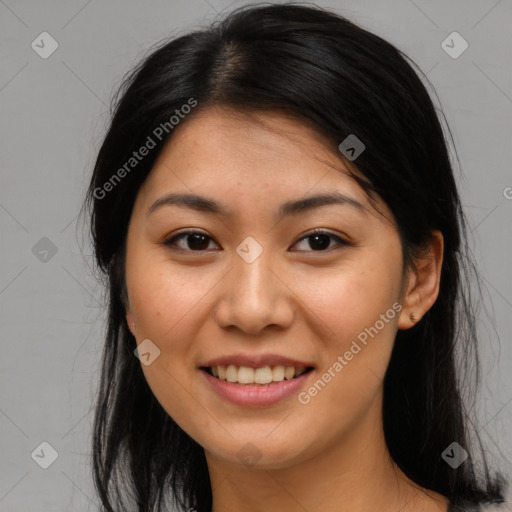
<point x="341" y="242"/>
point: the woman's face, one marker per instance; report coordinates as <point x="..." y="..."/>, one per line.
<point x="259" y="289"/>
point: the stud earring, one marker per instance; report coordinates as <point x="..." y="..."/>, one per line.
<point x="413" y="317"/>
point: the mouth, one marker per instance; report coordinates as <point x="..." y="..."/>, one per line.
<point x="262" y="376"/>
<point x="255" y="387"/>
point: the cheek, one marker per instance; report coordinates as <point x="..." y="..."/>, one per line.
<point x="164" y="296"/>
<point x="357" y="307"/>
<point x="164" y="302"/>
<point x="350" y="299"/>
<point x="355" y="304"/>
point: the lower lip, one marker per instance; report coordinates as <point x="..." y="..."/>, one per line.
<point x="253" y="396"/>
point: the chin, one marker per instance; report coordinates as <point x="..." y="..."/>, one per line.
<point x="260" y="453"/>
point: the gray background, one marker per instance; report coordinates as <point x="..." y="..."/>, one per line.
<point x="54" y="113"/>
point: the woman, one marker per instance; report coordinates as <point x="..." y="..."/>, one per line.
<point x="276" y="214"/>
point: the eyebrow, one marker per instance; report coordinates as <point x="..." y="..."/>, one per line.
<point x="289" y="208"/>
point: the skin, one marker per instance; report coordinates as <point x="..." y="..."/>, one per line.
<point x="329" y="454"/>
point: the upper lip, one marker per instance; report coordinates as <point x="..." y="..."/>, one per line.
<point x="255" y="361"/>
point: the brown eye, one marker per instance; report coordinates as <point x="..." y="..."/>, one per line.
<point x="320" y="241"/>
<point x="194" y="241"/>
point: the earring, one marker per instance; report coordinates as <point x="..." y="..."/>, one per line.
<point x="412" y="317"/>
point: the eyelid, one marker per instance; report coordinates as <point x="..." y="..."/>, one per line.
<point x="341" y="240"/>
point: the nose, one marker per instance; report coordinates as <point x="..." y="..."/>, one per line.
<point x="254" y="296"/>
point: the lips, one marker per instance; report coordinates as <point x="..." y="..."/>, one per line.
<point x="256" y="395"/>
<point x="256" y="380"/>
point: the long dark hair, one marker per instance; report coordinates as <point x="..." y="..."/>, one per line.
<point x="323" y="70"/>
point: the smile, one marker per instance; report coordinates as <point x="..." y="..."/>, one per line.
<point x="235" y="388"/>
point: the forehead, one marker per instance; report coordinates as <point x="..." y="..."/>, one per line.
<point x="220" y="141"/>
<point x="246" y="158"/>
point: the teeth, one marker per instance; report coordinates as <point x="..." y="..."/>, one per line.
<point x="263" y="375"/>
<point x="278" y="373"/>
<point x="232" y="373"/>
<point x="245" y="375"/>
<point x="289" y="372"/>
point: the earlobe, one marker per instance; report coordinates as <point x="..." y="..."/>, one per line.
<point x="424" y="280"/>
<point x="409" y="315"/>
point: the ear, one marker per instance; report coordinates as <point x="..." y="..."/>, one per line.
<point x="130" y="321"/>
<point x="423" y="282"/>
